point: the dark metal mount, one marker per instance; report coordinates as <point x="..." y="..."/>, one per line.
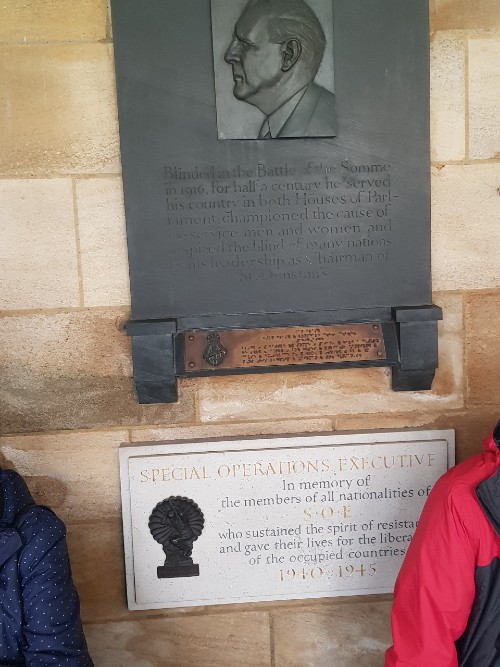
<point x="409" y="334"/>
<point x="418" y="347"/>
<point x="153" y="360"/>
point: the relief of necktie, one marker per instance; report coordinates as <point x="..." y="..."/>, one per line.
<point x="265" y="130"/>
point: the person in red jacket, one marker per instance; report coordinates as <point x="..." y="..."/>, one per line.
<point x="446" y="610"/>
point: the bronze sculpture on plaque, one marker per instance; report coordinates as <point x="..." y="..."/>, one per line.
<point x="176" y="523"/>
<point x="275" y="53"/>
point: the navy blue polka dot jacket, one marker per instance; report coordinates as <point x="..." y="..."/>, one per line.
<point x="39" y="607"/>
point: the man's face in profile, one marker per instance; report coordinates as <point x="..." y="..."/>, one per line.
<point x="256" y="62"/>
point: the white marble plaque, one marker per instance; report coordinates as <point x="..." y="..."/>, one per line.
<point x="287" y="517"/>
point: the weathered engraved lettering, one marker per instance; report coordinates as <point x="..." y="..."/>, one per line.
<point x="262" y="202"/>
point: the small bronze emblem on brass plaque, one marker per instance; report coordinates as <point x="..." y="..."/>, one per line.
<point x="214" y="353"/>
<point x="290" y="346"/>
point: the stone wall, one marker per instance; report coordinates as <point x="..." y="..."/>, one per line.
<point x="66" y="394"/>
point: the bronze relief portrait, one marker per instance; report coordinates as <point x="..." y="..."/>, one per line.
<point x="273" y="63"/>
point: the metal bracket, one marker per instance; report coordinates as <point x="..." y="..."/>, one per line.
<point x="153" y="360"/>
<point x="410" y="336"/>
<point x="418" y="347"/>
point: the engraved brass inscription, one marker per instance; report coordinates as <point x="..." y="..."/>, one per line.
<point x="290" y="346"/>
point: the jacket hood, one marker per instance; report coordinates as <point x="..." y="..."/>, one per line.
<point x="488" y="491"/>
<point x="14" y="496"/>
<point x="496" y="434"/>
<point x="492" y="442"/>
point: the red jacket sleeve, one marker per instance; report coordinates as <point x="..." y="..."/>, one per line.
<point x="435" y="590"/>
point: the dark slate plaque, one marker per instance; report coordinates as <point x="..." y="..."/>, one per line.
<point x="328" y="222"/>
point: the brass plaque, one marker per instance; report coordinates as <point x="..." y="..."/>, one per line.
<point x="290" y="346"/>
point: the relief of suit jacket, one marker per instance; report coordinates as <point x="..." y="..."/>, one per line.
<point x="314" y="115"/>
<point x="39" y="607"/>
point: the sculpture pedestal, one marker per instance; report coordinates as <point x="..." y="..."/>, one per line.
<point x="165" y="572"/>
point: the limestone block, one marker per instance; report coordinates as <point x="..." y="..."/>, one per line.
<point x="223" y="640"/>
<point x="483" y="349"/>
<point x="388" y="421"/>
<point x="349" y="391"/>
<point x="447" y="97"/>
<point x="465" y="238"/>
<point x="45" y="21"/>
<point x="38" y="259"/>
<point x="59" y="110"/>
<point x="76" y="474"/>
<point x="484" y="98"/>
<point x="464" y="14"/>
<point x="96" y="555"/>
<point x="346" y="635"/>
<point x="470" y="427"/>
<point x="103" y="242"/>
<point x="231" y="430"/>
<point x="73" y="370"/>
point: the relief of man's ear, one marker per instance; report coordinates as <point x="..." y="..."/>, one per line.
<point x="292" y="49"/>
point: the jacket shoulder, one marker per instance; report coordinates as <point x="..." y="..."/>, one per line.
<point x="39" y="525"/>
<point x="40" y="517"/>
<point x="323" y="117"/>
<point x="457" y="487"/>
<point x="468" y="474"/>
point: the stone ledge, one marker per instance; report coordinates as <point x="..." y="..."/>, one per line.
<point x="351" y="635"/>
<point x="209" y="641"/>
